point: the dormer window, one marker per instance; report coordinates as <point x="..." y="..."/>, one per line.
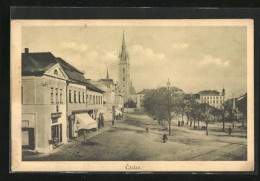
<point x="56" y="72"/>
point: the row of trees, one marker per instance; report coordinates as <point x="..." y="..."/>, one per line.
<point x="164" y="104"/>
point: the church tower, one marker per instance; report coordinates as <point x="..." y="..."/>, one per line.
<point x="124" y="71"/>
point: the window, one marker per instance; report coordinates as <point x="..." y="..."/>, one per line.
<point x="52" y="99"/>
<point x="61" y="96"/>
<point x="75" y="97"/>
<point x="22" y="95"/>
<point x="90" y="99"/>
<point x="217" y="101"/>
<point x="94" y="101"/>
<point x="123" y="70"/>
<point x="70" y="100"/>
<point x="123" y="78"/>
<point x="101" y="100"/>
<point x="83" y="97"/>
<point x="57" y="101"/>
<point x="87" y="98"/>
<point x="56" y="72"/>
<point x="220" y="102"/>
<point x="214" y="101"/>
<point x="79" y="97"/>
<point x="217" y="97"/>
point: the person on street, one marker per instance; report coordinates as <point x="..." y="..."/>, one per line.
<point x="164" y="138"/>
<point x="147" y="129"/>
<point x="229" y="131"/>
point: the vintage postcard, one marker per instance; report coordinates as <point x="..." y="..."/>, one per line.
<point x="132" y="95"/>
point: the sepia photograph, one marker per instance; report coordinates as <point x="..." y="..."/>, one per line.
<point x="132" y="95"/>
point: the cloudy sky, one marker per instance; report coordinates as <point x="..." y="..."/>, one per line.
<point x="193" y="58"/>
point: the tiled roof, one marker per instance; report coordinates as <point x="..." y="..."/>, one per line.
<point x="39" y="63"/>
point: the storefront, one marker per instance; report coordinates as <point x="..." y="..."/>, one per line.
<point x="28" y="132"/>
<point x="56" y="129"/>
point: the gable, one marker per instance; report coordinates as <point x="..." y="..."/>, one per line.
<point x="56" y="71"/>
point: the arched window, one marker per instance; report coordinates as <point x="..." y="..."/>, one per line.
<point x="123" y="70"/>
<point x="56" y="72"/>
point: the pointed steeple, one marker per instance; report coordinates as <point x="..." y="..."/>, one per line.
<point x="123" y="54"/>
<point x="107" y="74"/>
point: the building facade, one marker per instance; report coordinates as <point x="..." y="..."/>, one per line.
<point x="43" y="101"/>
<point x="54" y="101"/>
<point x="213" y="98"/>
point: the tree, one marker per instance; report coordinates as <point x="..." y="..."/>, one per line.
<point x="242" y="108"/>
<point x="181" y="106"/>
<point x="215" y="112"/>
<point x="206" y="114"/>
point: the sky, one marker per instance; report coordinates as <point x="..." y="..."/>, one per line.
<point x="193" y="58"/>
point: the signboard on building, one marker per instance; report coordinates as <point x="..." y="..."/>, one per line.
<point x="55" y="116"/>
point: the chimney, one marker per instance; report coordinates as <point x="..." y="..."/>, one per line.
<point x="26" y="50"/>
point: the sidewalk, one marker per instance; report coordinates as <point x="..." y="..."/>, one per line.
<point x="31" y="154"/>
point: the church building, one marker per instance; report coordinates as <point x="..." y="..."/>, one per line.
<point x="124" y="80"/>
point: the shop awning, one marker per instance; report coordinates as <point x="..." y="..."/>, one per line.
<point x="84" y="121"/>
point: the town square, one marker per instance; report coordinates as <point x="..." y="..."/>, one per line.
<point x="134" y="94"/>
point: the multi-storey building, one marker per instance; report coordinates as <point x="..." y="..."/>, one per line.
<point x="212" y="97"/>
<point x="54" y="101"/>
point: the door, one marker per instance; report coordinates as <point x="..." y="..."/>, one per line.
<point x="28" y="141"/>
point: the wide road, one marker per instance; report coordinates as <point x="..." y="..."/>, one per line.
<point x="128" y="141"/>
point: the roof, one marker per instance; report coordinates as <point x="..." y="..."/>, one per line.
<point x="209" y="92"/>
<point x="144" y="91"/>
<point x="107" y="82"/>
<point x="132" y="90"/>
<point x="38" y="63"/>
<point x="189" y="96"/>
<point x="92" y="87"/>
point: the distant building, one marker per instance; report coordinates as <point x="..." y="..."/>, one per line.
<point x="141" y="95"/>
<point x="212" y="97"/>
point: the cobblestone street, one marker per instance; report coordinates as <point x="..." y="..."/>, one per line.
<point x="128" y="140"/>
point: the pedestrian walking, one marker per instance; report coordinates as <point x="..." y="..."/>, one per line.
<point x="164" y="138"/>
<point x="147" y="129"/>
<point x="229" y="130"/>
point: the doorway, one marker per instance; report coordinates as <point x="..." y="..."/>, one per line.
<point x="56" y="133"/>
<point x="28" y="141"/>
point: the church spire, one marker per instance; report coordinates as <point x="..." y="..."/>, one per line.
<point x="123" y="55"/>
<point x="107" y="74"/>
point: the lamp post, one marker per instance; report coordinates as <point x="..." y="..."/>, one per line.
<point x="169" y="111"/>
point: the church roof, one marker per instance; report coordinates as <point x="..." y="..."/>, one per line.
<point x="123" y="54"/>
<point x="132" y="90"/>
